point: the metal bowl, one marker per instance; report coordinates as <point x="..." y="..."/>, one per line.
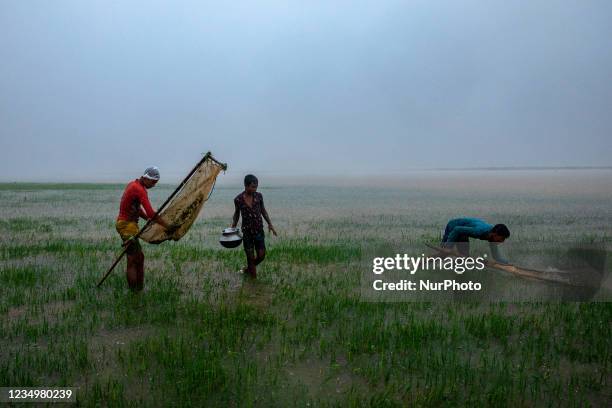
<point x="230" y="238"/>
<point x="231" y="231"/>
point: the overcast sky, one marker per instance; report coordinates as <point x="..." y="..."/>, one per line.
<point x="99" y="90"/>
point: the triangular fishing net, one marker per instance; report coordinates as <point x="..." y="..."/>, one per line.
<point x="182" y="211"/>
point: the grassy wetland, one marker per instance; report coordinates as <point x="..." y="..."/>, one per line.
<point x="201" y="334"/>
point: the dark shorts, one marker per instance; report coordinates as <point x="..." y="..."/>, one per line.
<point x="462" y="246"/>
<point x="462" y="242"/>
<point x="256" y="241"/>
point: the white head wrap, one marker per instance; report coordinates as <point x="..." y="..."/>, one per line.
<point x="151" y="173"/>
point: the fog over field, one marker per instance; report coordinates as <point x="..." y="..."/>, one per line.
<point x="201" y="332"/>
<point x="370" y="125"/>
<point x="97" y="91"/>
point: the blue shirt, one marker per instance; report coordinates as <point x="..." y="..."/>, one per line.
<point x="461" y="229"/>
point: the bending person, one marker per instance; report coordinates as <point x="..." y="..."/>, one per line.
<point x="459" y="231"/>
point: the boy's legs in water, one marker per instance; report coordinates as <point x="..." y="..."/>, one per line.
<point x="255" y="250"/>
<point x="250" y="269"/>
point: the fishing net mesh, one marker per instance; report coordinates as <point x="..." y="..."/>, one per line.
<point x="182" y="211"/>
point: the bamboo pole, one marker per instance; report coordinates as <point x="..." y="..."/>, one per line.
<point x="208" y="155"/>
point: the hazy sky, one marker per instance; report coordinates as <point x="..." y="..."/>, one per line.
<point x="98" y="90"/>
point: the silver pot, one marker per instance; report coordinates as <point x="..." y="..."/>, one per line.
<point x="230" y="237"/>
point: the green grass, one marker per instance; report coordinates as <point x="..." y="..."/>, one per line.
<point x="301" y="334"/>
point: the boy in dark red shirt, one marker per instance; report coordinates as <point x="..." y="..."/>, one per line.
<point x="250" y="205"/>
<point x="135" y="204"/>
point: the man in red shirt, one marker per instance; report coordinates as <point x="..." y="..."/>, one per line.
<point x="135" y="204"/>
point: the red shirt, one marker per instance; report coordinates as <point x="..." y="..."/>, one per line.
<point x="135" y="196"/>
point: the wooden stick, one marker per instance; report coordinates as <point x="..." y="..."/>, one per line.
<point x="113" y="266"/>
<point x="208" y="155"/>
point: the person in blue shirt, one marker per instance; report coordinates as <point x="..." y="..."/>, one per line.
<point x="459" y="231"/>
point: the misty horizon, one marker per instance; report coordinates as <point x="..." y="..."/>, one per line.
<point x="94" y="91"/>
<point x="233" y="177"/>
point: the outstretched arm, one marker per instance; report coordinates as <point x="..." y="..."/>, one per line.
<point x="266" y="217"/>
<point x="146" y="209"/>
<point x="156" y="218"/>
<point x="494" y="246"/>
<point x="143" y="214"/>
<point x="148" y="213"/>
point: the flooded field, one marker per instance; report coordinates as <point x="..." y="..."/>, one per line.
<point x="202" y="334"/>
